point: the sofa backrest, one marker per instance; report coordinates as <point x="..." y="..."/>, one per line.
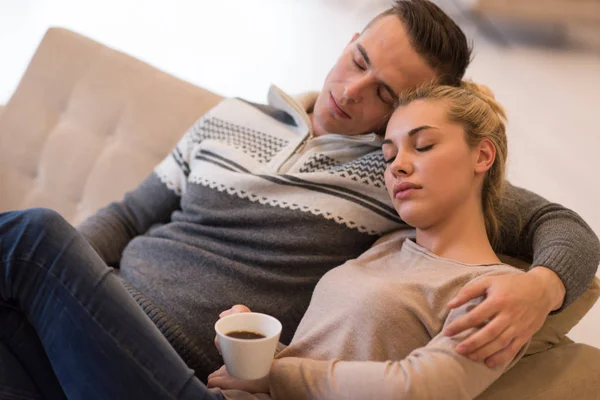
<point x="86" y="124"/>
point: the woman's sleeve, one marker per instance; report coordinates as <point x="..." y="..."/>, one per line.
<point x="431" y="372"/>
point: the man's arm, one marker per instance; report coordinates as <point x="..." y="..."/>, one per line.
<point x="551" y="236"/>
<point x="111" y="228"/>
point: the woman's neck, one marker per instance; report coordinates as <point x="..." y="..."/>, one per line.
<point x="461" y="236"/>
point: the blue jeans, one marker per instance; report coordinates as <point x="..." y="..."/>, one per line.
<point x="68" y="327"/>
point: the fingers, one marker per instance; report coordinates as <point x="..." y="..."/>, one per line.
<point x="238" y="308"/>
<point x="469" y="292"/>
<point x="484" y="312"/>
<point x="215" y="378"/>
<point x="506" y="355"/>
<point x="488" y="343"/>
<point x="491" y="332"/>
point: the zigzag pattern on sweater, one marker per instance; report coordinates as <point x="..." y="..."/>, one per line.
<point x="368" y="169"/>
<point x="258" y="145"/>
<point x="280" y="203"/>
<point x="318" y="162"/>
<point x="168" y="182"/>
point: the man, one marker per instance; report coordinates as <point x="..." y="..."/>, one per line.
<point x="257" y="202"/>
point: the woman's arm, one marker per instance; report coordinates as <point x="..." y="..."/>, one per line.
<point x="434" y="371"/>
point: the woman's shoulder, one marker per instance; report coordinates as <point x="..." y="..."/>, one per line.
<point x="494" y="270"/>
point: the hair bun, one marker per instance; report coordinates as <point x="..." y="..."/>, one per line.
<point x="485" y="94"/>
<point x="477" y="88"/>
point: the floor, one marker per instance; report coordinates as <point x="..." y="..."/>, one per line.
<point x="239" y="47"/>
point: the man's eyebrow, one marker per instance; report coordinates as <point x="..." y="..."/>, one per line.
<point x="364" y="53"/>
<point x="368" y="61"/>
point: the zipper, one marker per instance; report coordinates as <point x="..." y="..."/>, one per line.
<point x="297" y="150"/>
<point x="302" y="145"/>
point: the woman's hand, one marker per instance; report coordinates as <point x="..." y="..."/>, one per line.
<point x="238" y="308"/>
<point x="515" y="307"/>
<point x="222" y="380"/>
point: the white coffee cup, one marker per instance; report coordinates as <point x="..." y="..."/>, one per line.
<point x="248" y="359"/>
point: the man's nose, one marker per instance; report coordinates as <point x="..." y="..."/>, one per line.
<point x="354" y="90"/>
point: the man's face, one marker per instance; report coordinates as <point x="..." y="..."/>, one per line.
<point x="360" y="90"/>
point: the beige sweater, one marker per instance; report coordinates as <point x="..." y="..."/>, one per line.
<point x="373" y="331"/>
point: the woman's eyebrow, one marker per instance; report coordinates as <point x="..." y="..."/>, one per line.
<point x="414" y="131"/>
<point x="411" y="133"/>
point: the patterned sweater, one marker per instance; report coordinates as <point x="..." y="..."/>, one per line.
<point x="247" y="210"/>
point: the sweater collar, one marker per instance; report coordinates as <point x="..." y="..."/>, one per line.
<point x="299" y="107"/>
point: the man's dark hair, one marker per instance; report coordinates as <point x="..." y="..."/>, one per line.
<point x="435" y="37"/>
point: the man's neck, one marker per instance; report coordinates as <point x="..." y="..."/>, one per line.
<point x="461" y="237"/>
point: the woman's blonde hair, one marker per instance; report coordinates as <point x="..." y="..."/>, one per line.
<point x="475" y="108"/>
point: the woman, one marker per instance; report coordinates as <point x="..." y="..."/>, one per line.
<point x="374" y="326"/>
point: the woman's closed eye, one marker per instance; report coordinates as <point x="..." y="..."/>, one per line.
<point x="424" y="148"/>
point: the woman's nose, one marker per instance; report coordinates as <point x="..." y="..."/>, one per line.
<point x="401" y="166"/>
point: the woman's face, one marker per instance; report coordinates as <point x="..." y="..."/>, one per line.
<point x="431" y="171"/>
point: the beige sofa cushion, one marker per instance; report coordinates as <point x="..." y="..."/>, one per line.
<point x="86" y="124"/>
<point x="568" y="371"/>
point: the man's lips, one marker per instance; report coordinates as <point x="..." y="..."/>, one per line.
<point x="402" y="190"/>
<point x="336" y="107"/>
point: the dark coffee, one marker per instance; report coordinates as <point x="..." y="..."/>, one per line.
<point x="245" y="335"/>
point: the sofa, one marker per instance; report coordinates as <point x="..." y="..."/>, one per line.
<point x="87" y="123"/>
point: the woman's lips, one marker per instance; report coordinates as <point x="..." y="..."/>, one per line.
<point x="336" y="108"/>
<point x="404" y="189"/>
<point x="404" y="194"/>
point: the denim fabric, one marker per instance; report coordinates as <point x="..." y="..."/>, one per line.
<point x="69" y="328"/>
<point x="24" y="365"/>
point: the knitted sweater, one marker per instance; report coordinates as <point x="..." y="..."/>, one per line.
<point x="247" y="210"/>
<point x="373" y="330"/>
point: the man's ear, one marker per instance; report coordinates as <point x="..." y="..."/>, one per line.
<point x="485" y="153"/>
<point x="354" y="37"/>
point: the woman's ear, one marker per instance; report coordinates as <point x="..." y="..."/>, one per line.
<point x="485" y="154"/>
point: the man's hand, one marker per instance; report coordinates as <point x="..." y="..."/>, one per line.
<point x="221" y="379"/>
<point x="515" y="307"/>
<point x="238" y="308"/>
